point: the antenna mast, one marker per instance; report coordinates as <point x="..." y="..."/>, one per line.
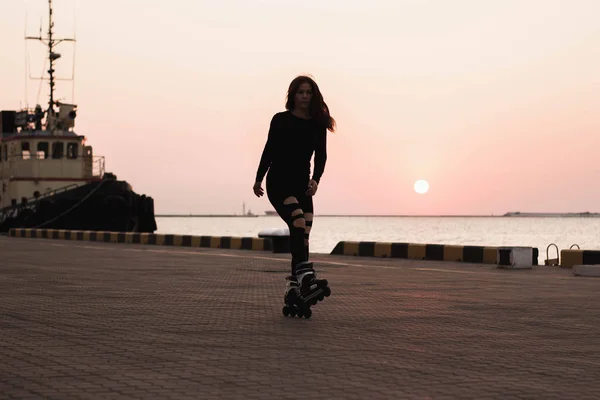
<point x="51" y="56"/>
<point x="51" y="42"/>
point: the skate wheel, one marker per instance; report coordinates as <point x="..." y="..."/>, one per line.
<point x="327" y="292"/>
<point x="321" y="297"/>
<point x="285" y="311"/>
<point x="292" y="312"/>
<point x="313" y="301"/>
<point x="307" y="313"/>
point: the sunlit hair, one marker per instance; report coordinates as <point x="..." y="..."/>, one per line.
<point x="318" y="108"/>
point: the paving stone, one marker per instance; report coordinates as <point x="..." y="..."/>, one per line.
<point x="100" y="320"/>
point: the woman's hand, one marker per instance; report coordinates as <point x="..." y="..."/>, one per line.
<point x="312" y="188"/>
<point x="258" y="190"/>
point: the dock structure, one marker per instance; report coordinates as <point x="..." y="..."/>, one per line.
<point x="100" y="320"/>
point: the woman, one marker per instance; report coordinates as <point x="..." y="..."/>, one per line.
<point x="294" y="135"/>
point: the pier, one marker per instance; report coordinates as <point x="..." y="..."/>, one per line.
<point x="98" y="320"/>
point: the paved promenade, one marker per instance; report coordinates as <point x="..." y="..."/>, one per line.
<point x="83" y="320"/>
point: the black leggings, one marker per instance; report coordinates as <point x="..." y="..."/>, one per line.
<point x="296" y="209"/>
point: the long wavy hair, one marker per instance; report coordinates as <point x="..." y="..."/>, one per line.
<point x="318" y="108"/>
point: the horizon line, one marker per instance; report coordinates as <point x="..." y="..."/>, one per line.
<point x="506" y="215"/>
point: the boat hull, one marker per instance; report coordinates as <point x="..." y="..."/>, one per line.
<point x="106" y="205"/>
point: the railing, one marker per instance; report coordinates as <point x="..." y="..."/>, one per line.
<point x="97" y="166"/>
<point x="85" y="167"/>
<point x="32" y="201"/>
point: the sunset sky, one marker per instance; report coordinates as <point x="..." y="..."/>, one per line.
<point x="495" y="103"/>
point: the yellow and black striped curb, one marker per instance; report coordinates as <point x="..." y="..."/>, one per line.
<point x="569" y="258"/>
<point x="218" y="242"/>
<point x="420" y="251"/>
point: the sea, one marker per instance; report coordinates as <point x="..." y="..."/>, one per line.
<point x="327" y="231"/>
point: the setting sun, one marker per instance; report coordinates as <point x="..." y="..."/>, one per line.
<point x="421" y="186"/>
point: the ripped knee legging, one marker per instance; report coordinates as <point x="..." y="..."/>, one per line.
<point x="297" y="212"/>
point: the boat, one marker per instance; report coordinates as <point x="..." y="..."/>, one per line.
<point x="49" y="175"/>
<point x="271" y="213"/>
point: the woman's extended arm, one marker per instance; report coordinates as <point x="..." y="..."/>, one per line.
<point x="267" y="154"/>
<point x="320" y="156"/>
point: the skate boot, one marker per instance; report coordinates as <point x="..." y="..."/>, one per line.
<point x="311" y="289"/>
<point x="293" y="304"/>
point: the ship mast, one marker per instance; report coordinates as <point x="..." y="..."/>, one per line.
<point x="51" y="42"/>
<point x="51" y="57"/>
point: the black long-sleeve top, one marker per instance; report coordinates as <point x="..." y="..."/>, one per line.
<point x="290" y="146"/>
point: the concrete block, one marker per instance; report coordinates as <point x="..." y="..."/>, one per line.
<point x="586" y="270"/>
<point x="517" y="257"/>
<point x="279" y="237"/>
